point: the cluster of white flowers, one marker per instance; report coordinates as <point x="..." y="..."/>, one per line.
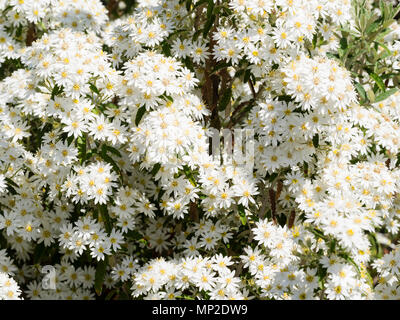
<point x="110" y="174"/>
<point x="163" y="279"/>
<point x="9" y="289"/>
<point x="387" y="268"/>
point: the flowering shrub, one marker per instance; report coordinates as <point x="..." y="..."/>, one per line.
<point x="111" y="173"/>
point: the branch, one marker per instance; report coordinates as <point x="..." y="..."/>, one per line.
<point x="111" y="6"/>
<point x="30" y="35"/>
<point x="291" y="219"/>
<point x="256" y="95"/>
<point x="272" y="199"/>
<point x="252" y="89"/>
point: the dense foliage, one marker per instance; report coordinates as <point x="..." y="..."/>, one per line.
<point x="109" y="179"/>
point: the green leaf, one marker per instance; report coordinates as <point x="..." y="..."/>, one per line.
<point x="208" y="25"/>
<point x="242" y="214"/>
<point x="197" y="34"/>
<point x="111" y="294"/>
<point x="189" y="175"/>
<point x="343" y="43"/>
<point x="200" y="3"/>
<point x="361" y="91"/>
<point x="371" y="95"/>
<point x="166" y="49"/>
<point x="112" y="150"/>
<point x="317" y="233"/>
<point x="188" y="62"/>
<point x="332" y="246"/>
<point x="321" y="272"/>
<point x="210" y="9"/>
<point x="94" y="88"/>
<point x="81" y="141"/>
<point x="12" y="182"/>
<point x="210" y="18"/>
<point x="271" y="177"/>
<point x="188" y="5"/>
<point x="106" y="217"/>
<point x="376" y="249"/>
<point x="223" y="11"/>
<point x="378" y="81"/>
<point x="247" y="76"/>
<point x="89" y="154"/>
<point x="332" y="55"/>
<point x="103" y="154"/>
<point x="70" y="139"/>
<point x="372" y="27"/>
<point x="56" y="91"/>
<point x="315" y="141"/>
<point x="346" y="257"/>
<point x="38" y="253"/>
<point x="134" y="235"/>
<point x="111" y="105"/>
<point x="111" y="161"/>
<point x="385" y="95"/>
<point x="156" y="167"/>
<point x="220" y="66"/>
<point x="226" y="98"/>
<point x="139" y="114"/>
<point x="100" y="275"/>
<point x="386" y="24"/>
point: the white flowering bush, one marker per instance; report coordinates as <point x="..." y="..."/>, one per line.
<point x="109" y="170"/>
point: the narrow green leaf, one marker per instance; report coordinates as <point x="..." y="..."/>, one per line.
<point x="226" y="97"/>
<point x="346" y="257"/>
<point x="242" y="214"/>
<point x="81" y="141"/>
<point x="100" y="275"/>
<point x="112" y="150"/>
<point x="134" y="235"/>
<point x="386" y="24"/>
<point x="70" y="139"/>
<point x="189" y="175"/>
<point x="361" y="91"/>
<point x="210" y="9"/>
<point x="208" y="25"/>
<point x="156" y="167"/>
<point x="139" y="114"/>
<point x="197" y="34"/>
<point x="220" y="66"/>
<point x="386" y="94"/>
<point x="372" y="27"/>
<point x="103" y="154"/>
<point x="56" y="91"/>
<point x="111" y="294"/>
<point x="332" y="246"/>
<point x="200" y="3"/>
<point x="378" y="81"/>
<point x="371" y="95"/>
<point x="188" y="5"/>
<point x="166" y="49"/>
<point x="247" y="76"/>
<point x="315" y="141"/>
<point x="188" y="62"/>
<point x="38" y="253"/>
<point x="271" y="177"/>
<point x="94" y="88"/>
<point x="343" y="43"/>
<point x="12" y="182"/>
<point x="106" y="217"/>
